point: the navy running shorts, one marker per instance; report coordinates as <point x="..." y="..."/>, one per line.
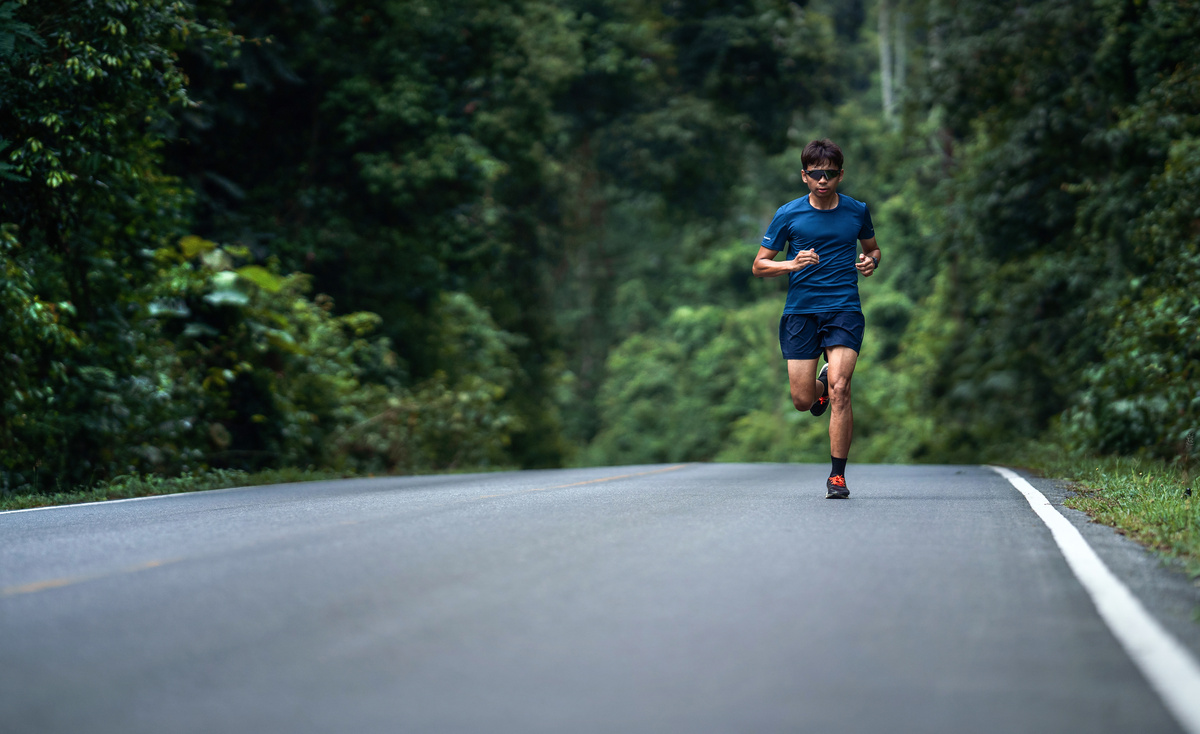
<point x="805" y="335"/>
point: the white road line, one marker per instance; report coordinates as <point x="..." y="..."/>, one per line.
<point x="77" y="505"/>
<point x="1167" y="665"/>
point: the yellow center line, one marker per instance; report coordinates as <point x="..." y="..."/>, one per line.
<point x="42" y="586"/>
<point x="580" y="484"/>
<point x="69" y="580"/>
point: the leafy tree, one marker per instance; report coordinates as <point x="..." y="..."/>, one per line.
<point x="397" y="151"/>
<point x="1075" y="118"/>
<point x="84" y="93"/>
<point x="131" y="347"/>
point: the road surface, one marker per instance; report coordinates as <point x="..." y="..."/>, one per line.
<point x="691" y="598"/>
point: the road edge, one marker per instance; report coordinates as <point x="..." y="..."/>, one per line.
<point x="1170" y="667"/>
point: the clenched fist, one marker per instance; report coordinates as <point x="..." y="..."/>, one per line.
<point x="804" y="258"/>
<point x="865" y="265"/>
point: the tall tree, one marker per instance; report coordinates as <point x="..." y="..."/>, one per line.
<point x="86" y="91"/>
<point x="1068" y="156"/>
<point x="398" y="151"/>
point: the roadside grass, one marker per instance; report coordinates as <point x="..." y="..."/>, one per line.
<point x="1144" y="499"/>
<point x="149" y="485"/>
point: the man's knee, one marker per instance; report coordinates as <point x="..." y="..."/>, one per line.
<point x="839" y="392"/>
<point x="801" y="403"/>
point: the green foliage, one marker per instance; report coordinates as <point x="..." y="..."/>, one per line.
<point x="1143" y="393"/>
<point x="1072" y="199"/>
<point x="452" y="420"/>
<point x="662" y="400"/>
<point x="127" y="353"/>
<point x="1037" y="212"/>
<point x="36" y="348"/>
<point x="414" y="159"/>
<point x="258" y="373"/>
<point x="273" y="378"/>
<point x="83" y="93"/>
<point x="536" y="220"/>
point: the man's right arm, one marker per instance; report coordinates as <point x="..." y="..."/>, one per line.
<point x="766" y="267"/>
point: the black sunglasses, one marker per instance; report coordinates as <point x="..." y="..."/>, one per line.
<point x="823" y="173"/>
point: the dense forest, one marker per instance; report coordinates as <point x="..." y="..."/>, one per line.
<point x="403" y="236"/>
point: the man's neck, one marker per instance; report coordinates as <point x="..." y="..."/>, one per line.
<point x="824" y="202"/>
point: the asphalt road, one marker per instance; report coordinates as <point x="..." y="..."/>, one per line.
<point x="700" y="598"/>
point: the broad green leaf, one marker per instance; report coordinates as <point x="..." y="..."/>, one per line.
<point x="192" y="246"/>
<point x="262" y="278"/>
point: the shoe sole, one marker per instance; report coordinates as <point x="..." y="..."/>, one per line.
<point x="837" y="496"/>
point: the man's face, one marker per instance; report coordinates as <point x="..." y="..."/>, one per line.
<point x="819" y="184"/>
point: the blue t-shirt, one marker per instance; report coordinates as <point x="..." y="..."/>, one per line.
<point x="831" y="284"/>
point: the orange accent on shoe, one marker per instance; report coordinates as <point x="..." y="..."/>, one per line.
<point x="838" y="480"/>
<point x="823" y="399"/>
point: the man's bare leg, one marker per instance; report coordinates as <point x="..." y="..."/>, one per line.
<point x="803" y="383"/>
<point x="841" y="419"/>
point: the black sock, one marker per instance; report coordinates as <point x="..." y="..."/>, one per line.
<point x="839" y="466"/>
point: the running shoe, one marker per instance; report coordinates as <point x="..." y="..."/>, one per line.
<point x="835" y="488"/>
<point x="821" y="403"/>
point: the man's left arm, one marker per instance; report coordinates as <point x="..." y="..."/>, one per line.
<point x="869" y="259"/>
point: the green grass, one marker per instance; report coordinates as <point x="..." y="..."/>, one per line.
<point x="149" y="485"/>
<point x="1144" y="499"/>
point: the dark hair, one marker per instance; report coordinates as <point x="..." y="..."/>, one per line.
<point x="821" y="150"/>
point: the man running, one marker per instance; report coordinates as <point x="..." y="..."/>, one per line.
<point x="823" y="312"/>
